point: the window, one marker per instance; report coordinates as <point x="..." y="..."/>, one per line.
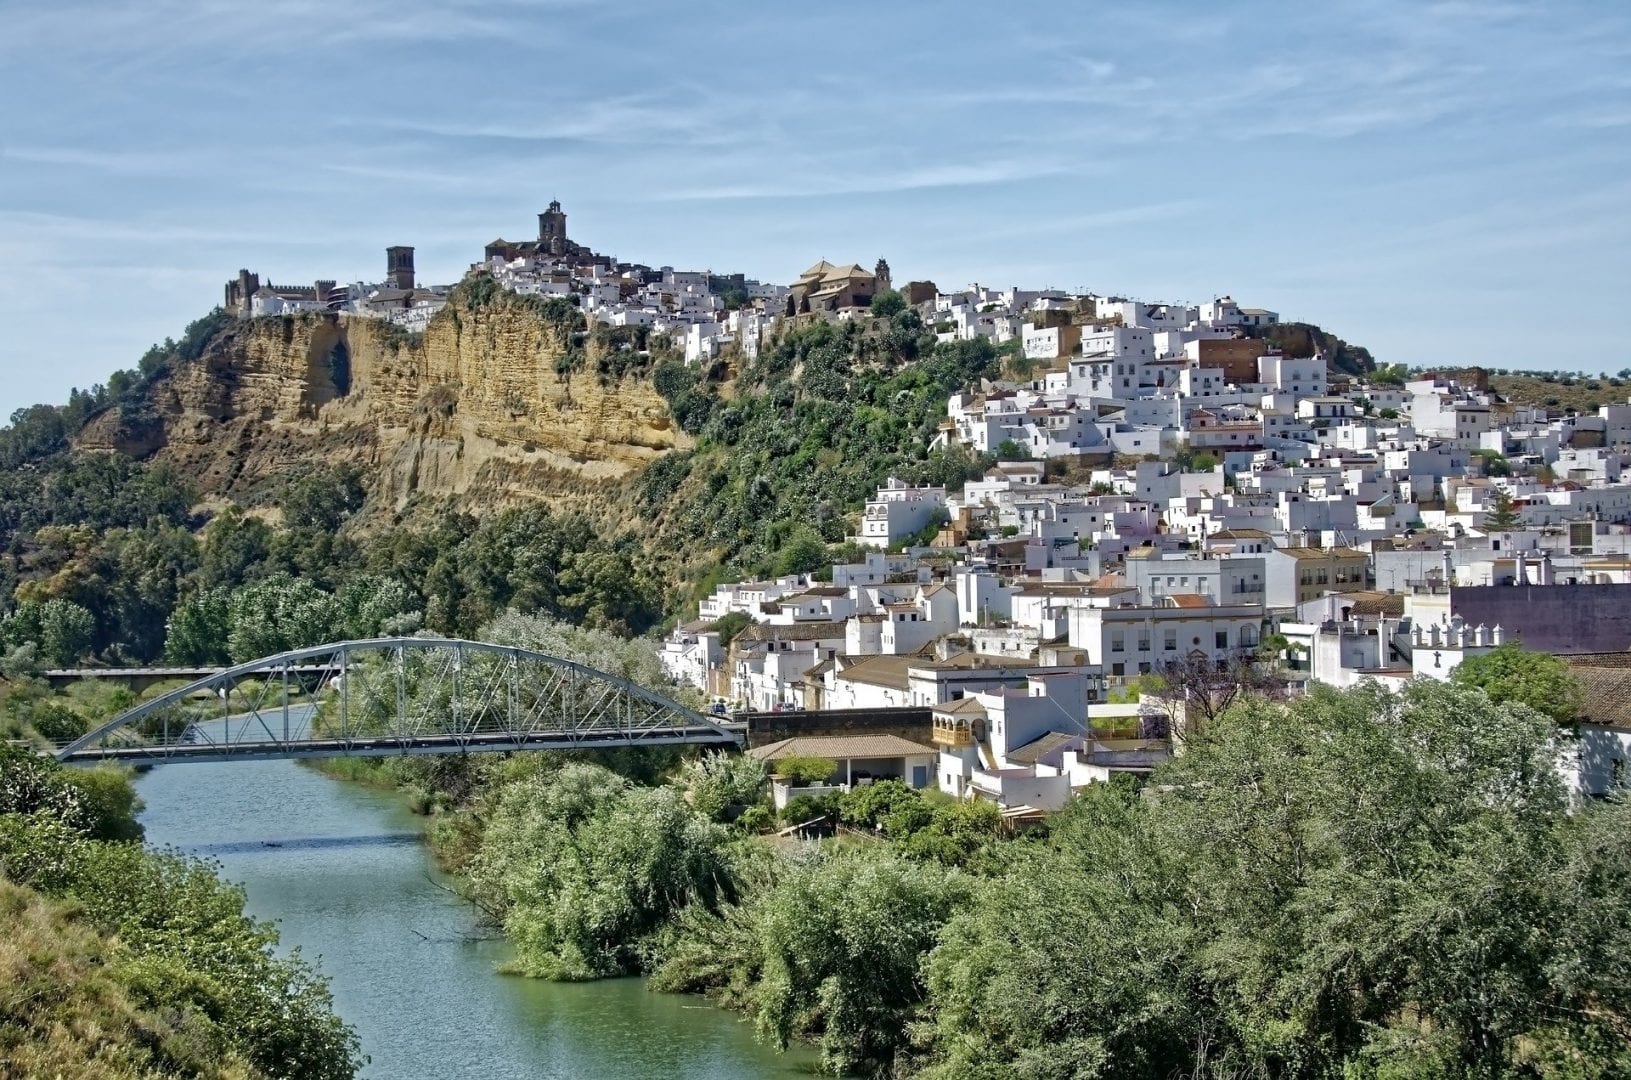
<point x="1118" y="641"/>
<point x="1169" y="642"/>
<point x="1222" y="639"/>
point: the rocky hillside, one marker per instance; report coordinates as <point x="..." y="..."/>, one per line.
<point x="501" y="399"/>
<point x="1305" y="339"/>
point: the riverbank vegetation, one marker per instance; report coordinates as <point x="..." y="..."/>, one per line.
<point x="119" y="962"/>
<point x="1353" y="884"/>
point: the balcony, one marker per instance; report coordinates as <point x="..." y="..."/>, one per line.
<point x="952" y="733"/>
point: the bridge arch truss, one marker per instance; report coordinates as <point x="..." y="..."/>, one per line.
<point x="391" y="696"/>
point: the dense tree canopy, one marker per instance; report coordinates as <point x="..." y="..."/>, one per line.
<point x="1538" y="680"/>
<point x="1352" y="884"/>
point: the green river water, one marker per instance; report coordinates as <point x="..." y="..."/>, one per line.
<point x="341" y="869"/>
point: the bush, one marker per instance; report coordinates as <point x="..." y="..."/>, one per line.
<point x="57" y="723"/>
<point x="757" y="818"/>
<point x="872" y="804"/>
<point x="804" y="770"/>
<point x="805" y="808"/>
<point x="586" y="871"/>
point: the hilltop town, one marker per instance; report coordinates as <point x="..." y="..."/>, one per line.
<point x="1178" y="495"/>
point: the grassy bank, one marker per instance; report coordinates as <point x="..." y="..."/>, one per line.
<point x="120" y="962"/>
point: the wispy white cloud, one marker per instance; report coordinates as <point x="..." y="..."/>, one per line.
<point x="164" y="27"/>
<point x="119" y="162"/>
<point x="1597" y="119"/>
<point x="862" y="182"/>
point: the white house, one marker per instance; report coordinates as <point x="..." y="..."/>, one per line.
<point x="899" y="511"/>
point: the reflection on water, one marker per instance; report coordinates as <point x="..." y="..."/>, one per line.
<point x="340" y="867"/>
<point x="305" y="843"/>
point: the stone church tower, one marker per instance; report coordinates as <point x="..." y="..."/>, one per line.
<point x="552" y="229"/>
<point x="399" y="267"/>
<point x="881" y="272"/>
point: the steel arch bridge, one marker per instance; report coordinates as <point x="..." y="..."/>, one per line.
<point x="391" y="696"/>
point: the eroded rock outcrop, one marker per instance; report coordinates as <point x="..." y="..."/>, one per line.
<point x="479" y="408"/>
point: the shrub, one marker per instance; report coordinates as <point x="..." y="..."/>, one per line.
<point x="805" y="770"/>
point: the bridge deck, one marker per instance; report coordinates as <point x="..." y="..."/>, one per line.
<point x="486" y="742"/>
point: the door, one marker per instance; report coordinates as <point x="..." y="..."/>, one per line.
<point x="920" y="776"/>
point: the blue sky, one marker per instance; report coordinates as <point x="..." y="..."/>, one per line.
<point x="1443" y="182"/>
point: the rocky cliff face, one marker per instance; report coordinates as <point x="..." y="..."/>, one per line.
<point x="476" y="410"/>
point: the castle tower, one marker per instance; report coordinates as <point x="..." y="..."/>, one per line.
<point x="240" y="291"/>
<point x="399" y="267"/>
<point x="552" y="229"/>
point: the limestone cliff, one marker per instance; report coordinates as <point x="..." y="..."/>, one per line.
<point x="480" y="408"/>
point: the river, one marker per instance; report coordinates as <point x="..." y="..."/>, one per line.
<point x="341" y="869"/>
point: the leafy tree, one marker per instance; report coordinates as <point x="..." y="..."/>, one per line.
<point x="323" y="498"/>
<point x="236" y="549"/>
<point x="277" y="614"/>
<point x="873" y="804"/>
<point x="1009" y="450"/>
<point x="804" y="809"/>
<point x="371" y="606"/>
<point x="956" y="833"/>
<point x="803" y="553"/>
<point x="186" y="951"/>
<point x="199" y="630"/>
<point x="1495" y="463"/>
<point x="35" y="433"/>
<point x="61" y="629"/>
<point x="584" y="868"/>
<point x="1538" y="680"/>
<point x="97" y="803"/>
<point x="1504" y="516"/>
<point x="56" y="722"/>
<point x="729" y="625"/>
<point x="839" y="945"/>
<point x="888" y="303"/>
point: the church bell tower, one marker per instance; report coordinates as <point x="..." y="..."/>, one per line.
<point x="552" y="229"/>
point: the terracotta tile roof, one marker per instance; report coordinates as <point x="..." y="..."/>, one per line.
<point x="1607" y="693"/>
<point x="1322" y="553"/>
<point x="1052" y="742"/>
<point x="839" y="747"/>
<point x="803" y="631"/>
<point x="1376" y="603"/>
<point x="962" y="707"/>
<point x="1188" y="600"/>
<point x="889" y="671"/>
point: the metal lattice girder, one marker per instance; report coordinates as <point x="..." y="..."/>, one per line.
<point x="396" y="696"/>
